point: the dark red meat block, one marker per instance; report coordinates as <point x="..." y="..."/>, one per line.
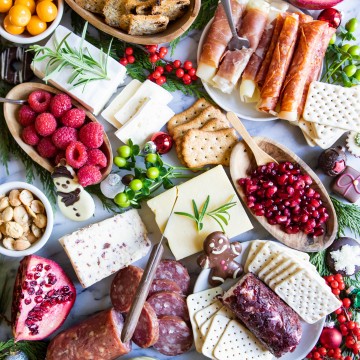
<point x="169" y="303"/>
<point x="273" y="322"/>
<point x="175" y="271"/>
<point x="175" y="336"/>
<point x="147" y="330"/>
<point x="96" y="338"/>
<point x="124" y="286"/>
<point x="159" y="285"/>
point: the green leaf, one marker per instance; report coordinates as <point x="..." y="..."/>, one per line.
<point x="167" y="184"/>
<point x="163" y="171"/>
<point x="145" y="191"/>
<point x="186" y="214"/>
<point x="205" y="206"/>
<point x="196" y="211"/>
<point x="130" y="193"/>
<point x="136" y="150"/>
<point x="220" y="224"/>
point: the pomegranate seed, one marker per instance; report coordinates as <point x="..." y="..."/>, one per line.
<point x="37" y="275"/>
<point x="292" y="178"/>
<point x="280" y="219"/>
<point x="290" y="190"/>
<point x="27" y="301"/>
<point x="317" y="195"/>
<point x="282" y="179"/>
<point x="47" y="267"/>
<point x="28" y="322"/>
<point x="318" y="231"/>
<point x="39" y="267"/>
<point x="308" y="180"/>
<point x="38" y="299"/>
<point x="39" y="292"/>
<point x="295" y="209"/>
<point x="270" y="192"/>
<point x="31" y="291"/>
<point x="272" y="221"/>
<point x="260" y="212"/>
<point x="310" y="192"/>
<point x="304" y="218"/>
<point x="29" y="276"/>
<point x="25" y="285"/>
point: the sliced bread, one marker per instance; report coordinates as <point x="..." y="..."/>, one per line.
<point x="95" y="6"/>
<point x="173" y="9"/>
<point x="143" y="24"/>
<point x="112" y="11"/>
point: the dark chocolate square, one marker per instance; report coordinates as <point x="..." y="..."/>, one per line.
<point x="347" y="184"/>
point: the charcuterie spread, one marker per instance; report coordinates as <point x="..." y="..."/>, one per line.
<point x="164" y="221"/>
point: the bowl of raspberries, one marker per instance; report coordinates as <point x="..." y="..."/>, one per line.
<point x="52" y="126"/>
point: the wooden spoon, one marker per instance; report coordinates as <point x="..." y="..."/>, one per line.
<point x="261" y="157"/>
<point x="22" y="91"/>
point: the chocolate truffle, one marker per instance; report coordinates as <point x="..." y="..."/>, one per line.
<point x="347" y="184"/>
<point x="332" y="161"/>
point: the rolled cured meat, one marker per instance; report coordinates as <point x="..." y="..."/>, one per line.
<point x="248" y="84"/>
<point x="309" y="37"/>
<point x="217" y="39"/>
<point x="279" y="65"/>
<point x="98" y="337"/>
<point x="234" y="62"/>
<point x="272" y="321"/>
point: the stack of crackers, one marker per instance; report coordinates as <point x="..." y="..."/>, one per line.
<point x="202" y="135"/>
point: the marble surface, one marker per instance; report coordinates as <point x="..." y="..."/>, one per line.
<point x="96" y="297"/>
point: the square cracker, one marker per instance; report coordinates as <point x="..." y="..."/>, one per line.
<point x="224" y="311"/>
<point x="255" y="247"/>
<point x="206" y="313"/>
<point x="289" y="271"/>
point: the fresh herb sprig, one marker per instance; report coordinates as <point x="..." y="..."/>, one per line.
<point x="220" y="214"/>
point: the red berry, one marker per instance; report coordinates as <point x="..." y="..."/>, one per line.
<point x="161" y="55"/>
<point x="63" y="136"/>
<point x="177" y="64"/>
<point x="179" y="73"/>
<point x="88" y="175"/>
<point x="338" y="277"/>
<point x="341" y="319"/>
<point x="46" y="148"/>
<point x="192" y="72"/>
<point x="129" y="51"/>
<point x="160" y="69"/>
<point x="76" y="154"/>
<point x="45" y="124"/>
<point x="96" y="157"/>
<point x="153" y="58"/>
<point x="338" y="311"/>
<point x="334" y="284"/>
<point x="316" y="355"/>
<point x="350" y="341"/>
<point x="60" y="104"/>
<point x="331" y="352"/>
<point x="350" y="325"/>
<point x="91" y="135"/>
<point x="356" y="348"/>
<point x="188" y="65"/>
<point x="330" y="278"/>
<point x="26" y="115"/>
<point x="123" y="61"/>
<point x="163" y="50"/>
<point x="30" y="136"/>
<point x="186" y="77"/>
<point x="168" y="68"/>
<point x="341" y="285"/>
<point x="194" y="78"/>
<point x="156" y="74"/>
<point x="322" y="351"/>
<point x="346" y="302"/>
<point x="161" y="80"/>
<point x="39" y="100"/>
<point x="347" y="358"/>
<point x="131" y="59"/>
<point x="74" y="118"/>
<point x="336" y="292"/>
<point x="188" y="82"/>
<point x="344" y="329"/>
<point x="152" y="49"/>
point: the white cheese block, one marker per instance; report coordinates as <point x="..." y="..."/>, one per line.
<point x="96" y="93"/>
<point x="148" y="89"/>
<point x="120" y="100"/>
<point x="150" y="118"/>
<point x="103" y="248"/>
<point x="181" y="231"/>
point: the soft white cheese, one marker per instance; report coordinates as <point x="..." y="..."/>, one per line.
<point x="346" y="258"/>
<point x="103" y="248"/>
<point x="95" y="94"/>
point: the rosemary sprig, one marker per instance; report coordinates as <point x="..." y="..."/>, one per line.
<point x="220" y="214"/>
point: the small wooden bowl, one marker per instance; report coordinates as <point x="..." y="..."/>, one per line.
<point x="242" y="162"/>
<point x="174" y="30"/>
<point x="23" y="91"/>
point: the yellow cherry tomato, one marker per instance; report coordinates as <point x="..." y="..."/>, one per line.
<point x="12" y="29"/>
<point x="29" y="3"/>
<point x="5" y="5"/>
<point x="19" y="15"/>
<point x="46" y="10"/>
<point x="36" y="26"/>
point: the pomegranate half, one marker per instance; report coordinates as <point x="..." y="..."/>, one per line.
<point x="315" y="4"/>
<point x="42" y="299"/>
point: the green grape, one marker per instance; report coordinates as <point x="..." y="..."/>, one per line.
<point x="136" y="185"/>
<point x="352" y="25"/>
<point x="153" y="173"/>
<point x="119" y="161"/>
<point x="122" y="200"/>
<point x="124" y="151"/>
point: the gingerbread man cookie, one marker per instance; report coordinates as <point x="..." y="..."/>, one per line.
<point x="219" y="255"/>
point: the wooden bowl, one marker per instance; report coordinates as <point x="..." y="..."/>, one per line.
<point x="175" y="28"/>
<point x="242" y="162"/>
<point x="22" y="91"/>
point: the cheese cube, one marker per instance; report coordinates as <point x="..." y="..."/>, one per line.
<point x="103" y="248"/>
<point x="150" y="118"/>
<point x="95" y="94"/>
<point x="181" y="232"/>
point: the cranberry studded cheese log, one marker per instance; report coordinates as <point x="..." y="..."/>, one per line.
<point x="234" y="62"/>
<point x="217" y="39"/>
<point x="98" y="337"/>
<point x="273" y="322"/>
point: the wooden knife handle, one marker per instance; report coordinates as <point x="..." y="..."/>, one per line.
<point x="142" y="292"/>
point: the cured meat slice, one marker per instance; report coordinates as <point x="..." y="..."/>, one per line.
<point x="147" y="330"/>
<point x="124" y="286"/>
<point x="169" y="303"/>
<point x="175" y="271"/>
<point x="175" y="336"/>
<point x="273" y="322"/>
<point x="98" y="337"/>
<point x="159" y="285"/>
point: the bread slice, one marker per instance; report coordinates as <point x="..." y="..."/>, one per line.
<point x="143" y="24"/>
<point x="124" y="22"/>
<point x="112" y="11"/>
<point x="130" y="5"/>
<point x="95" y="6"/>
<point x="173" y="9"/>
<point x="147" y="7"/>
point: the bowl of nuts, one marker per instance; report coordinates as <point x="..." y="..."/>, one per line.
<point x="26" y="219"/>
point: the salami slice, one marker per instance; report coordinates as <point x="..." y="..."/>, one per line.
<point x="175" y="336"/>
<point x="169" y="303"/>
<point x="124" y="286"/>
<point x="159" y="285"/>
<point x="147" y="330"/>
<point x="175" y="271"/>
<point x="98" y="337"/>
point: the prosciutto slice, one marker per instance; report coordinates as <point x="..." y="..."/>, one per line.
<point x="309" y="36"/>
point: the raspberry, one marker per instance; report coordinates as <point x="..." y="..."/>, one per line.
<point x="60" y="104"/>
<point x="74" y="118"/>
<point x="45" y="124"/>
<point x="46" y="148"/>
<point x="30" y="136"/>
<point x="60" y="155"/>
<point x="39" y="100"/>
<point x="26" y="115"/>
<point x="63" y="136"/>
<point x="96" y="157"/>
<point x="76" y="154"/>
<point x="88" y="175"/>
<point x="91" y="135"/>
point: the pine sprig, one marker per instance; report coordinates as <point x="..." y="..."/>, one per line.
<point x="318" y="259"/>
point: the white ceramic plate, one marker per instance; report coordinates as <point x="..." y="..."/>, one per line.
<point x="310" y="332"/>
<point x="232" y="102"/>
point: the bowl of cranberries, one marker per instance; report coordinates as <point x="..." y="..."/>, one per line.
<point x="286" y="197"/>
<point x="52" y="126"/>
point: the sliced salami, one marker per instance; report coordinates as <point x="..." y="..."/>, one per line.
<point x="159" y="285"/>
<point x="169" y="303"/>
<point x="124" y="286"/>
<point x="175" y="271"/>
<point x="175" y="336"/>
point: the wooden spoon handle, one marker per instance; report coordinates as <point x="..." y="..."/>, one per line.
<point x="261" y="157"/>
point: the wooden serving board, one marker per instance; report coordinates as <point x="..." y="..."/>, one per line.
<point x="242" y="162"/>
<point x="21" y="92"/>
